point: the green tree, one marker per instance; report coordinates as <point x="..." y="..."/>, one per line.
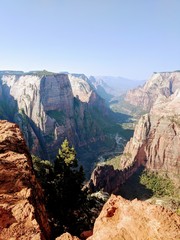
<point x="68" y="206"/>
<point x="64" y="190"/>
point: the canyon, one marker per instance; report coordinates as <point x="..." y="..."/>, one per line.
<point x="156" y="139"/>
<point x="50" y="107"/>
<point x="23" y="215"/>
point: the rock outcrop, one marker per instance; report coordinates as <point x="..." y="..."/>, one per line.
<point x="67" y="236"/>
<point x="51" y="107"/>
<point x="22" y="211"/>
<point x="105" y="178"/>
<point x="160" y="84"/>
<point x="129" y="220"/>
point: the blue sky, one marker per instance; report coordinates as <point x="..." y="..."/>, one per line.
<point x="128" y="38"/>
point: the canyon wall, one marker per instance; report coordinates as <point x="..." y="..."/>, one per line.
<point x="49" y="108"/>
<point x="22" y="212"/>
<point x="160" y="84"/>
<point x="156" y="139"/>
<point x="154" y="145"/>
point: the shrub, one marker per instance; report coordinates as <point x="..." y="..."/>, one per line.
<point x="161" y="186"/>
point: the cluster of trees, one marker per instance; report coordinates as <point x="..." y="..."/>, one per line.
<point x="67" y="204"/>
<point x="159" y="185"/>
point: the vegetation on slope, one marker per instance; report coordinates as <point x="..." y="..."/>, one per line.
<point x="69" y="206"/>
<point x="159" y="185"/>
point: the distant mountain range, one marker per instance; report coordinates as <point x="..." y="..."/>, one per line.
<point x="108" y="87"/>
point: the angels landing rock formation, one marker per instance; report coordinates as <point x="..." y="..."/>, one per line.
<point x="22" y="211"/>
<point x="49" y="107"/>
<point x="164" y="84"/>
<point x="130" y="220"/>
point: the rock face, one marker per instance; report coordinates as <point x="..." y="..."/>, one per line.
<point x="67" y="236"/>
<point x="160" y="84"/>
<point x="51" y="107"/>
<point x="109" y="180"/>
<point x="129" y="220"/>
<point x="156" y="139"/>
<point x="22" y="211"/>
<point x="154" y="145"/>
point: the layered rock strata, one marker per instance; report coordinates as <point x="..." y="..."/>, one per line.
<point x="22" y="212"/>
<point x="154" y="145"/>
<point x="49" y="108"/>
<point x="129" y="220"/>
<point x="160" y="84"/>
<point x="156" y="139"/>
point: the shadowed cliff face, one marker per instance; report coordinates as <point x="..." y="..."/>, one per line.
<point x="22" y="211"/>
<point x="160" y="84"/>
<point x="49" y="108"/>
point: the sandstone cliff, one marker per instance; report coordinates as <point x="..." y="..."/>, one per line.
<point x="22" y="211"/>
<point x="50" y="107"/>
<point x="160" y="84"/>
<point x="105" y="178"/>
<point x="156" y="139"/>
<point x="130" y="220"/>
<point x="154" y="145"/>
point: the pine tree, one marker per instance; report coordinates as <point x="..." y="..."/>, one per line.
<point x="68" y="182"/>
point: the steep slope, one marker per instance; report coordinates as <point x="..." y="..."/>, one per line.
<point x="22" y="211"/>
<point x="154" y="145"/>
<point x="49" y="107"/>
<point x="164" y="84"/>
<point x="129" y="220"/>
<point x="156" y="139"/>
<point x="103" y="89"/>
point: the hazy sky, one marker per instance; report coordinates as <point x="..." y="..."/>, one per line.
<point x="128" y="38"/>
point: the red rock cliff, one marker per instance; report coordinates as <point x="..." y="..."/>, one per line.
<point x="156" y="139"/>
<point x="121" y="219"/>
<point x="22" y="212"/>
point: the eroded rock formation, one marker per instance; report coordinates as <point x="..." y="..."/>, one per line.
<point x="67" y="236"/>
<point x="154" y="145"/>
<point x="156" y="139"/>
<point x="22" y="212"/>
<point x="129" y="220"/>
<point x="160" y="84"/>
<point x="51" y="107"/>
<point x="105" y="178"/>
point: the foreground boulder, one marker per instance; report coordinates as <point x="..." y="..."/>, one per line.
<point x="129" y="220"/>
<point x="22" y="211"/>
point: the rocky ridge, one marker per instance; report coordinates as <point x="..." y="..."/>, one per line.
<point x="160" y="84"/>
<point x="22" y="211"/>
